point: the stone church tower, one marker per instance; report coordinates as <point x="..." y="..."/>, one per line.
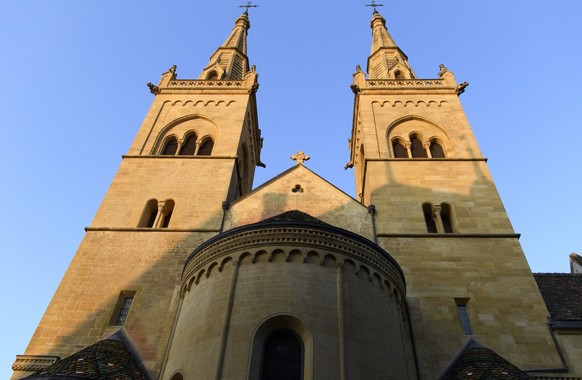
<point x="420" y="277"/>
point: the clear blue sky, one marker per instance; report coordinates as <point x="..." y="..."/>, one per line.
<point x="73" y="96"/>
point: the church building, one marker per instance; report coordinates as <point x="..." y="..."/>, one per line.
<point x="420" y="276"/>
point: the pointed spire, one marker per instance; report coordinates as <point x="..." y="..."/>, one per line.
<point x="230" y="60"/>
<point x="386" y="60"/>
<point x="380" y="36"/>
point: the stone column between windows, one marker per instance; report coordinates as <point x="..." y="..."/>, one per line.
<point x="160" y="217"/>
<point x="427" y="148"/>
<point x="407" y="145"/>
<point x="436" y="216"/>
<point x="179" y="147"/>
<point x="198" y="145"/>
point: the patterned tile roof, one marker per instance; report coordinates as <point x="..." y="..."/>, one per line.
<point x="293" y="216"/>
<point x="477" y="362"/>
<point x="109" y="359"/>
<point x="562" y="293"/>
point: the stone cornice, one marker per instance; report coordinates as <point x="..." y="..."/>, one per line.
<point x="174" y="157"/>
<point x="306" y="237"/>
<point x="461" y="236"/>
<point x="424" y="86"/>
<point x="143" y="229"/>
<point x="430" y="159"/>
<point x="176" y="86"/>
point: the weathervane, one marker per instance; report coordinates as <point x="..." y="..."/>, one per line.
<point x="249" y="5"/>
<point x="374" y="5"/>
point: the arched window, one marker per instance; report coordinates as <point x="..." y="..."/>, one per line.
<point x="439" y="218"/>
<point x="178" y="376"/>
<point x="206" y="147"/>
<point x="170" y="147"/>
<point x="398" y="75"/>
<point x="431" y="226"/>
<point x="149" y="214"/>
<point x="213" y="75"/>
<point x="436" y="150"/>
<point x="157" y="214"/>
<point x="446" y="218"/>
<point x="399" y="149"/>
<point x="416" y="147"/>
<point x="167" y="213"/>
<point x="189" y="146"/>
<point x="282" y="357"/>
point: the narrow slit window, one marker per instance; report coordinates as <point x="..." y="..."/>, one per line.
<point x="121" y="311"/>
<point x="464" y="315"/>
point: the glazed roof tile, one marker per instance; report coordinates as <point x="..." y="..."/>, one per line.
<point x="562" y="293"/>
<point x="109" y="359"/>
<point x="478" y="362"/>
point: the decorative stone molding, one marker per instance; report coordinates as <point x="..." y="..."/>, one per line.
<point x="414" y="103"/>
<point x="323" y="240"/>
<point x="33" y="363"/>
<point x="205" y="103"/>
<point x="206" y="83"/>
<point x="389" y="83"/>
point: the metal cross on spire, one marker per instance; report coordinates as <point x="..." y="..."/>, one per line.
<point x="374" y="5"/>
<point x="247" y="6"/>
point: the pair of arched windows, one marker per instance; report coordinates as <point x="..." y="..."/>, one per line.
<point x="415" y="147"/>
<point x="189" y="146"/>
<point x="439" y="218"/>
<point x="157" y="214"/>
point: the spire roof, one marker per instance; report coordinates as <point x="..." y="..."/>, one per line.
<point x="230" y="60"/>
<point x="386" y="60"/>
<point x="380" y="36"/>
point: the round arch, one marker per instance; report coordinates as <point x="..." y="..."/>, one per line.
<point x="424" y="128"/>
<point x="207" y="128"/>
<point x="273" y="324"/>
